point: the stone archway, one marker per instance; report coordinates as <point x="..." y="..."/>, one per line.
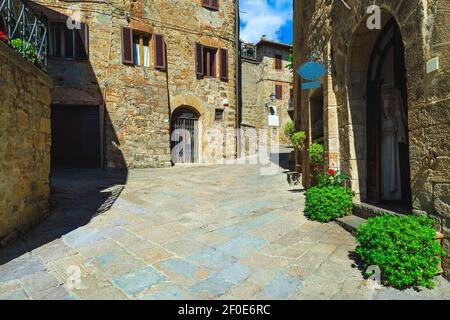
<point x="362" y="155"/>
<point x="187" y="111"/>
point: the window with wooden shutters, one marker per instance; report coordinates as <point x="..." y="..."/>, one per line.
<point x="209" y="62"/>
<point x="127" y="46"/>
<point x="199" y="59"/>
<point x="160" y="52"/>
<point x="278" y="92"/>
<point x="211" y="4"/>
<point x="69" y="43"/>
<point x="136" y="48"/>
<point x="224" y="64"/>
<point x="278" y="62"/>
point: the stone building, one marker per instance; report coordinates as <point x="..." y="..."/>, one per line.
<point x="382" y="111"/>
<point x="266" y="85"/>
<point x="133" y="72"/>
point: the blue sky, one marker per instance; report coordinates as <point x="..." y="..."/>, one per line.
<point x="272" y="18"/>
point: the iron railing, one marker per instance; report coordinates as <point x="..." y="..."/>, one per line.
<point x="26" y="29"/>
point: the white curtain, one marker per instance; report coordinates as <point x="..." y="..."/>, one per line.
<point x="146" y="56"/>
<point x="136" y="54"/>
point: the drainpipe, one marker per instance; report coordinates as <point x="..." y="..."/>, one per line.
<point x="238" y="84"/>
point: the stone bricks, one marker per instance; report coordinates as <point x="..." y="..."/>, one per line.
<point x="259" y="78"/>
<point x="24" y="146"/>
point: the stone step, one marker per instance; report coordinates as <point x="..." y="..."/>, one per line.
<point x="351" y="223"/>
<point x="366" y="211"/>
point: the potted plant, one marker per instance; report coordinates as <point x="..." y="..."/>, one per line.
<point x="297" y="139"/>
<point x="315" y="157"/>
<point x="26" y="49"/>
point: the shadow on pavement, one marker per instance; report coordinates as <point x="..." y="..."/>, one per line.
<point x="78" y="195"/>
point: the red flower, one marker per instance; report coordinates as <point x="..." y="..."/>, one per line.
<point x="331" y="172"/>
<point x="3" y="36"/>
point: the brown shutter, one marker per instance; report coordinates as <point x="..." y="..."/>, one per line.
<point x="224" y="64"/>
<point x="278" y="92"/>
<point x="127" y="45"/>
<point x="199" y="59"/>
<point x="206" y="3"/>
<point x="278" y="62"/>
<point x="214" y="4"/>
<point x="84" y="35"/>
<point x="160" y="52"/>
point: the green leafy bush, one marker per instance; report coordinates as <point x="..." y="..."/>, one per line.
<point x="403" y="248"/>
<point x="289" y="129"/>
<point x="315" y="153"/>
<point x="327" y="203"/>
<point x="298" y="139"/>
<point x="25" y="48"/>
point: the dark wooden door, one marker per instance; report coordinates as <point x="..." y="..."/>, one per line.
<point x="75" y="137"/>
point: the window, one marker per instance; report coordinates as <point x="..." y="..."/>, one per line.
<point x="219" y="115"/>
<point x="206" y="62"/>
<point x="209" y="62"/>
<point x="211" y="4"/>
<point x="136" y="48"/>
<point x="278" y="62"/>
<point x="278" y="92"/>
<point x="141" y="50"/>
<point x="69" y="43"/>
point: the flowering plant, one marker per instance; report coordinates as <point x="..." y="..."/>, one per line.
<point x="3" y="36"/>
<point x="332" y="178"/>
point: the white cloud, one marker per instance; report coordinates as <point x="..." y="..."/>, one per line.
<point x="264" y="17"/>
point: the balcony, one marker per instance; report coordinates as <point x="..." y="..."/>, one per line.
<point x="24" y="30"/>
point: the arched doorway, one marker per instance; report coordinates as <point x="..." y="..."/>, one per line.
<point x="316" y="111"/>
<point x="184" y="135"/>
<point x="388" y="166"/>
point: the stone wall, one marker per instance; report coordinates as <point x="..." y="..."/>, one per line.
<point x="137" y="102"/>
<point x="259" y="78"/>
<point x="25" y="134"/>
<point x="269" y="77"/>
<point x="425" y="31"/>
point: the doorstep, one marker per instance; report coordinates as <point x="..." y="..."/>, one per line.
<point x="366" y="211"/>
<point x="351" y="223"/>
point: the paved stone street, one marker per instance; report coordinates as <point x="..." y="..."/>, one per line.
<point x="204" y="232"/>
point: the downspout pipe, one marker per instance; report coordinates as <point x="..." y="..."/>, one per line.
<point x="238" y="83"/>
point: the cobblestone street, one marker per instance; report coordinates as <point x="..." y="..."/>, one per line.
<point x="204" y="232"/>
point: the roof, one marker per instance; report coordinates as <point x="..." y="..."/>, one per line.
<point x="274" y="43"/>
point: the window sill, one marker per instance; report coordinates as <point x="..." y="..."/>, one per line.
<point x="210" y="8"/>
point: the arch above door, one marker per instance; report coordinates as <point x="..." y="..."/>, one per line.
<point x="187" y="100"/>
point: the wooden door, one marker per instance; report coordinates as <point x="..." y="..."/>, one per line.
<point x="75" y="137"/>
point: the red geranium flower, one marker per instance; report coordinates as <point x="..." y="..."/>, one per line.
<point x="331" y="172"/>
<point x="3" y="36"/>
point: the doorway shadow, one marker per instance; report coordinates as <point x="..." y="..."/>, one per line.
<point x="281" y="158"/>
<point x="77" y="195"/>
